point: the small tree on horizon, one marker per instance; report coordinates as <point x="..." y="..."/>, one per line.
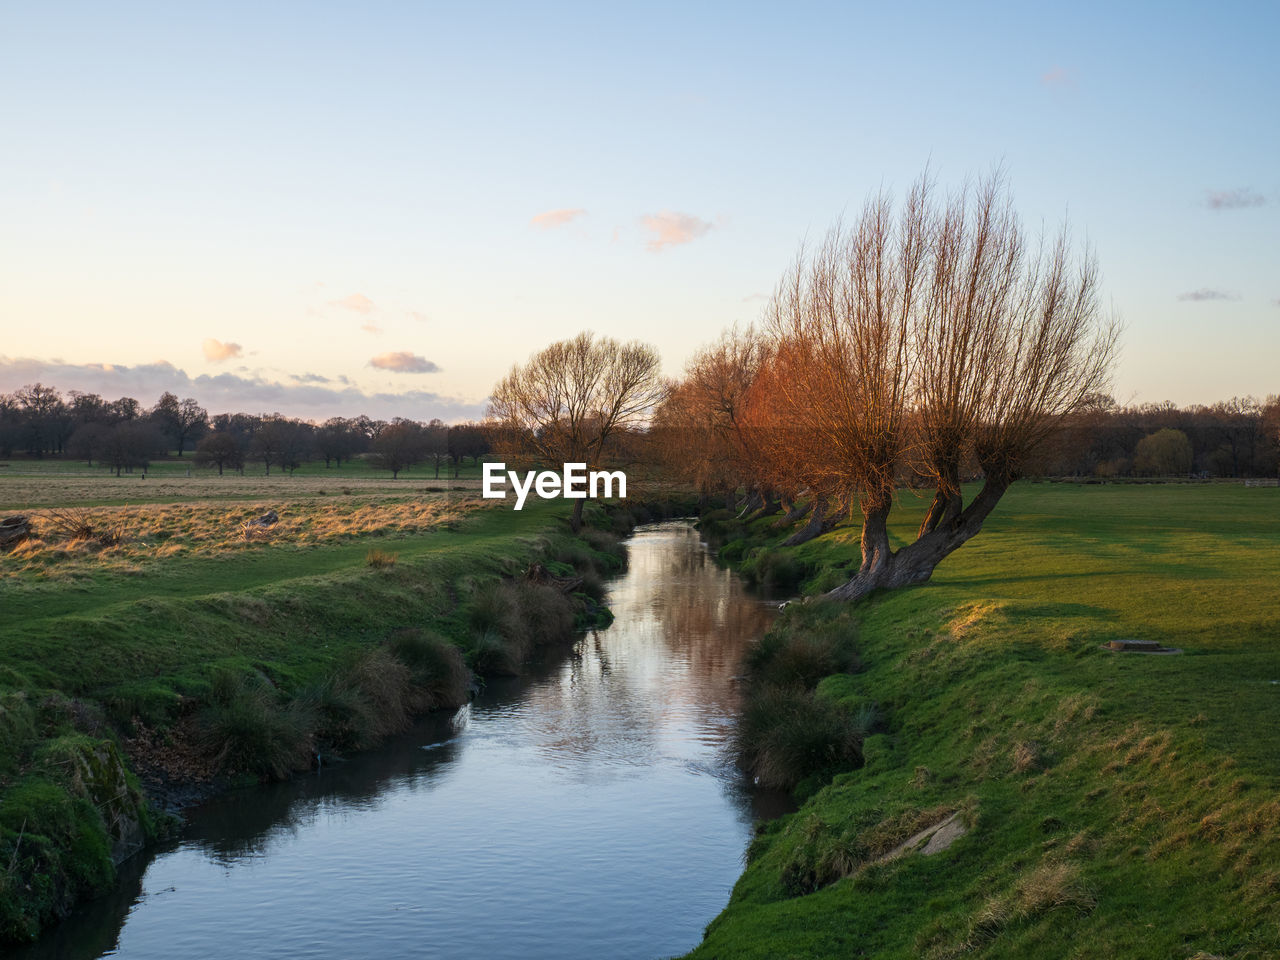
<point x="219" y="449"/>
<point x="398" y="446"/>
<point x="567" y="403"/>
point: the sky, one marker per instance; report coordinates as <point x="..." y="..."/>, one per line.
<point x="330" y="209"/>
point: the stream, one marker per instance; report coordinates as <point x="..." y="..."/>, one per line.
<point x="588" y="809"/>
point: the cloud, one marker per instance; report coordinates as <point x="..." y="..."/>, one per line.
<point x="306" y="397"/>
<point x="1204" y="293"/>
<point x="370" y="327"/>
<point x="1058" y="77"/>
<point x="417" y="315"/>
<point x="1233" y="199"/>
<point x="753" y="297"/>
<point x="309" y="378"/>
<point x="216" y="351"/>
<point x="356" y="301"/>
<point x="402" y="361"/>
<point x="550" y="219"/>
<point x="670" y="228"/>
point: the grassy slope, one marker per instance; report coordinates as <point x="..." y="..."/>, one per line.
<point x="143" y="642"/>
<point x="288" y="610"/>
<point x="1121" y="804"/>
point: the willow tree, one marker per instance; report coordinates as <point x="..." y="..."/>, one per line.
<point x="702" y="431"/>
<point x="926" y="346"/>
<point x="572" y="399"/>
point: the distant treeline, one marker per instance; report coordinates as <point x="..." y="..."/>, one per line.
<point x="1233" y="438"/>
<point x="40" y="421"/>
<point x="1239" y="437"/>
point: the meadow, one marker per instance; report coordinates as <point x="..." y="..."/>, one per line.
<point x="1116" y="804"/>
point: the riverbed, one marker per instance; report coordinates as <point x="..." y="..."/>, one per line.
<point x="590" y="809"/>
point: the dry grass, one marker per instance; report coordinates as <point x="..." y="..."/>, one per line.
<point x="155" y="531"/>
<point x="27" y="492"/>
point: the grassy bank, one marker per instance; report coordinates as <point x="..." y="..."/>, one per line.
<point x="182" y="648"/>
<point x="1115" y="804"/>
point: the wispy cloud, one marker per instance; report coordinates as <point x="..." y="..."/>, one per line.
<point x="356" y="301"/>
<point x="1058" y="77"/>
<point x="1206" y="293"/>
<point x="1233" y="199"/>
<point x="670" y="228"/>
<point x="402" y="361"/>
<point x="550" y="219"/>
<point x="753" y="297"/>
<point x="417" y="315"/>
<point x="370" y="327"/>
<point x="306" y="395"/>
<point x="216" y="351"/>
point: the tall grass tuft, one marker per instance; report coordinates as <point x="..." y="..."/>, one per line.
<point x="437" y="671"/>
<point x="246" y="729"/>
<point x="795" y="654"/>
<point x="787" y="734"/>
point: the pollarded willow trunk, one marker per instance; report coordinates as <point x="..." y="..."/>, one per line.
<point x="822" y="520"/>
<point x="772" y="505"/>
<point x="886" y="569"/>
<point x="753" y="502"/>
<point x="796" y="510"/>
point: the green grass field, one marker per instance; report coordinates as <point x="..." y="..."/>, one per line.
<point x="1118" y="804"/>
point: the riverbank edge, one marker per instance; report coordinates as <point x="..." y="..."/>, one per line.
<point x="98" y="770"/>
<point x="1088" y="821"/>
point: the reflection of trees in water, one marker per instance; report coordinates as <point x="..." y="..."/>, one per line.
<point x="663" y="672"/>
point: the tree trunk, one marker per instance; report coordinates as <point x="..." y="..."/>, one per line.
<point x="886" y="569"/>
<point x="796" y="510"/>
<point x="753" y="502"/>
<point x="575" y="521"/>
<point x="770" y="506"/>
<point x="823" y="520"/>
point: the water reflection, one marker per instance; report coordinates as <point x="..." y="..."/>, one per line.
<point x="587" y="810"/>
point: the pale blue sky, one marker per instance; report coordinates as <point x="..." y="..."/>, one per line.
<point x="324" y="184"/>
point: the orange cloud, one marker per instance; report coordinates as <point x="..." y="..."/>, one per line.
<point x="1058" y="77"/>
<point x="670" y="229"/>
<point x="550" y="219"/>
<point x="402" y="361"/>
<point x="216" y="351"/>
<point x="356" y="301"/>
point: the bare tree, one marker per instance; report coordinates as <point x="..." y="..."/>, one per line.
<point x="927" y="346"/>
<point x="220" y="449"/>
<point x="398" y="446"/>
<point x="708" y="411"/>
<point x="570" y="400"/>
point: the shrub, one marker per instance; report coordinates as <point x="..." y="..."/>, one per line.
<point x="381" y="559"/>
<point x="802" y="655"/>
<point x="493" y="609"/>
<point x="773" y="571"/>
<point x="246" y="729"/>
<point x="437" y="671"/>
<point x="787" y="734"/>
<point x="609" y="553"/>
<point x="495" y="655"/>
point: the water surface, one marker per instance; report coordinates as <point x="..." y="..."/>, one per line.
<point x="590" y="810"/>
